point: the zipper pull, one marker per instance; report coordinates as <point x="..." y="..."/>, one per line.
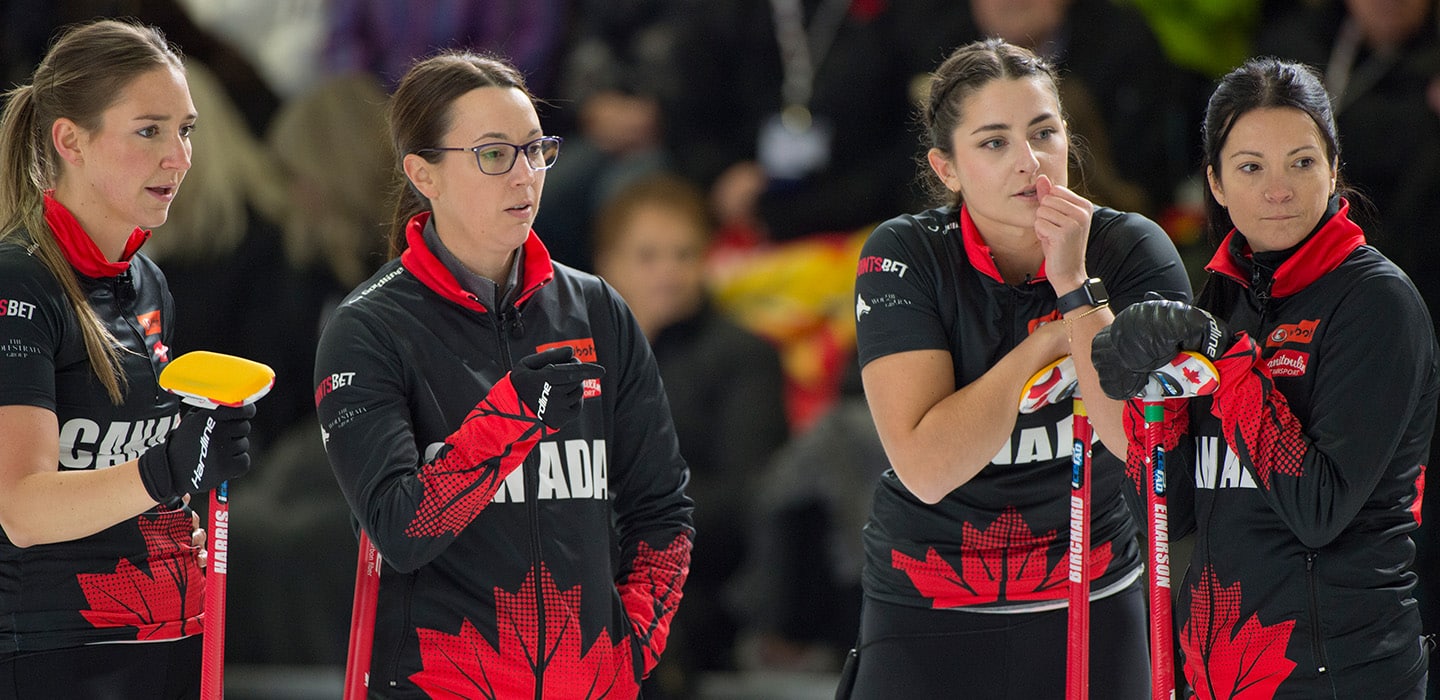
<point x="511" y="319"/>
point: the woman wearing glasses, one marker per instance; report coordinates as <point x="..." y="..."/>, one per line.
<point x="497" y="423"/>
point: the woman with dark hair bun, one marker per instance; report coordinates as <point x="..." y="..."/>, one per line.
<point x="1302" y="475"/>
<point x="497" y="423"/>
<point x="956" y="308"/>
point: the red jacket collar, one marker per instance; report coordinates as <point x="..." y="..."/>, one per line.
<point x="421" y="262"/>
<point x="79" y="249"/>
<point x="1323" y="252"/>
<point x="978" y="251"/>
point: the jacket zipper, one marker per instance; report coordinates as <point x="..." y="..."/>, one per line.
<point x="404" y="630"/>
<point x="1316" y="646"/>
<point x="510" y="319"/>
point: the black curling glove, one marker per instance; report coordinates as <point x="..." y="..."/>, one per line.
<point x="551" y="383"/>
<point x="1117" y="381"/>
<point x="209" y="446"/>
<point x="1149" y="334"/>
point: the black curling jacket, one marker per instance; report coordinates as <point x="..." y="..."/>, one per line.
<point x="999" y="542"/>
<point x="1304" y="470"/>
<point x="551" y="564"/>
<point x="138" y="580"/>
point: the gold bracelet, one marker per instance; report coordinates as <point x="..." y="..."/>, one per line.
<point x="1069" y="329"/>
<point x="1092" y="310"/>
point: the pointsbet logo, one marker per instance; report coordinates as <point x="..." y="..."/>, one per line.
<point x="875" y="263"/>
<point x="17" y="308"/>
<point x="331" y="383"/>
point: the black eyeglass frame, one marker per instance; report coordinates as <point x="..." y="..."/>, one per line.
<point x="515" y="150"/>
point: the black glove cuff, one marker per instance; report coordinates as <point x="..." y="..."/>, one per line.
<point x="155" y="474"/>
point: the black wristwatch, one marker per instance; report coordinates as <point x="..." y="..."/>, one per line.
<point x="1091" y="293"/>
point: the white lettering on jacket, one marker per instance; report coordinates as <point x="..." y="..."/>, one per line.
<point x="572" y="469"/>
<point x="1037" y="444"/>
<point x="1216" y="467"/>
<point x="85" y="445"/>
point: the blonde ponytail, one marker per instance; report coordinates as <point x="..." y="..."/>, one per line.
<point x="82" y="75"/>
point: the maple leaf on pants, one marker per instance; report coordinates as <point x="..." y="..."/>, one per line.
<point x="164" y="603"/>
<point x="1004" y="562"/>
<point x="466" y="665"/>
<point x="1222" y="661"/>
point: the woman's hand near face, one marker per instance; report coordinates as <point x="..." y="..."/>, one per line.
<point x="1062" y="223"/>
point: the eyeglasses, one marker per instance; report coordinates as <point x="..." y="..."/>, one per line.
<point x="499" y="157"/>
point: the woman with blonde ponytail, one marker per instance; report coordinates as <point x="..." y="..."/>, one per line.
<point x="96" y="466"/>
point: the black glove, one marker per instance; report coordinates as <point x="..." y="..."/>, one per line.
<point x="1116" y="381"/>
<point x="550" y="383"/>
<point x="1149" y="334"/>
<point x="209" y="446"/>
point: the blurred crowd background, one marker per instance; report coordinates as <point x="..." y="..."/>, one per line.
<point x="737" y="254"/>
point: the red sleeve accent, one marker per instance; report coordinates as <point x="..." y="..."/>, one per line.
<point x="1255" y="418"/>
<point x="491" y="442"/>
<point x="1418" y="504"/>
<point x="651" y="591"/>
<point x="1177" y="421"/>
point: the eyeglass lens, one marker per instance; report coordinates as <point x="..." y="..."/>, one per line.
<point x="499" y="158"/>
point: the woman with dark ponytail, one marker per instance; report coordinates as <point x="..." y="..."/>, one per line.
<point x="1302" y="475"/>
<point x="96" y="467"/>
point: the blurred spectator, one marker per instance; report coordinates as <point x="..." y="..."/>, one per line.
<point x="617" y="81"/>
<point x="383" y="37"/>
<point x="221" y="248"/>
<point x="27" y="26"/>
<point x="725" y="390"/>
<point x="283" y="38"/>
<point x="332" y="147"/>
<point x="1137" y="113"/>
<point x="799" y="590"/>
<point x="794" y="115"/>
<point x="1209" y="37"/>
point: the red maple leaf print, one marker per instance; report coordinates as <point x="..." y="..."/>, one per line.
<point x="1256" y="418"/>
<point x="651" y="593"/>
<point x="1224" y="659"/>
<point x="1004" y="562"/>
<point x="492" y="441"/>
<point x="468" y="666"/>
<point x="163" y="601"/>
<point x="1137" y="457"/>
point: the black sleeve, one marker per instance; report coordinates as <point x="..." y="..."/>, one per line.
<point x="897" y="293"/>
<point x="1133" y="255"/>
<point x="1372" y="385"/>
<point x="412" y="510"/>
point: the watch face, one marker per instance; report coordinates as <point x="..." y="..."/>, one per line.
<point x="1095" y="289"/>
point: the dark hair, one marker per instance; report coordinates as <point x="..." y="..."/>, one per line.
<point x="968" y="69"/>
<point x="668" y="190"/>
<point x="420" y="114"/>
<point x="1261" y="83"/>
<point x="82" y="75"/>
